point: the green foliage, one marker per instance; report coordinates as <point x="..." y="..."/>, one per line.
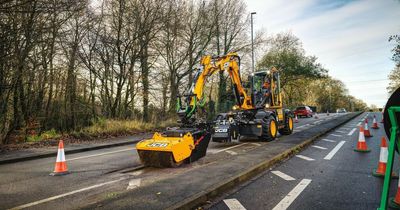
<point x="50" y="134"/>
<point x="287" y="55"/>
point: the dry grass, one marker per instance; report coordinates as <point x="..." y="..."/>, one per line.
<point x="109" y="127"/>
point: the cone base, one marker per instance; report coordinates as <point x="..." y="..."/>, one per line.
<point x="59" y="173"/>
<point x="393" y="204"/>
<point x="362" y="150"/>
<point x="376" y="174"/>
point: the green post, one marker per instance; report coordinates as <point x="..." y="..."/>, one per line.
<point x="389" y="167"/>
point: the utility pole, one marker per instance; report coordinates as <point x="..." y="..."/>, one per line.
<point x="252" y="42"/>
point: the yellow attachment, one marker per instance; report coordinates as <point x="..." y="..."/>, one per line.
<point x="180" y="147"/>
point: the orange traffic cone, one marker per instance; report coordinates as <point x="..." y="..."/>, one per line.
<point x="374" y="123"/>
<point x="382" y="118"/>
<point x="366" y="119"/>
<point x="361" y="144"/>
<point x="380" y="171"/>
<point x="61" y="165"/>
<point x="296" y="120"/>
<point x="395" y="202"/>
<point x="366" y="130"/>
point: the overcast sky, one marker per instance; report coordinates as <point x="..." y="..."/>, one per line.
<point x="350" y="38"/>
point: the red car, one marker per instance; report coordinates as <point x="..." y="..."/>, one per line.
<point x="303" y="111"/>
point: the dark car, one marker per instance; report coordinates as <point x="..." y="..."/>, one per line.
<point x="304" y="111"/>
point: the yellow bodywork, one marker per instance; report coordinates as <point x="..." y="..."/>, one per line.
<point x="180" y="147"/>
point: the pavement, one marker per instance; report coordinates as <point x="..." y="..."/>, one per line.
<point x="112" y="177"/>
<point x="314" y="180"/>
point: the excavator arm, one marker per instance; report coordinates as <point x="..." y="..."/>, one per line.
<point x="209" y="66"/>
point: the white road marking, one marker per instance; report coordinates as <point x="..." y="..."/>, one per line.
<point x="134" y="183"/>
<point x="66" y="194"/>
<point x="316" y="122"/>
<point x="334" y="150"/>
<point x="283" y="175"/>
<point x="328" y="140"/>
<point x="231" y="152"/>
<point x="234" y="204"/>
<point x="289" y="198"/>
<point x="358" y="124"/>
<point x="341" y="131"/>
<point x="228" y="148"/>
<point x="335" y="135"/>
<point x="352" y="131"/>
<point x="106" y="153"/>
<point x="256" y="144"/>
<point x="318" y="147"/>
<point x="136" y="173"/>
<point x="300" y="126"/>
<point x="304" y="157"/>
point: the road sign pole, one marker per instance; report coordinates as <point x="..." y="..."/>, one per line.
<point x="389" y="167"/>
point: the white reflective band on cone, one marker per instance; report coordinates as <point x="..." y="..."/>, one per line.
<point x="384" y="155"/>
<point x="361" y="138"/>
<point x="366" y="126"/>
<point x="60" y="156"/>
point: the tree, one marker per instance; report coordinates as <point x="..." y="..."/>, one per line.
<point x="394" y="78"/>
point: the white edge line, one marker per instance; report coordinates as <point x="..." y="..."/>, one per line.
<point x="283" y="175"/>
<point x="229" y="148"/>
<point x="292" y="195"/>
<point x="65" y="194"/>
<point x="106" y="153"/>
<point x="334" y="150"/>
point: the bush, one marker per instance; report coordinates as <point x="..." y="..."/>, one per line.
<point x="50" y="134"/>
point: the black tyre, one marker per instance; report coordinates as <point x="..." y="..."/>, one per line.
<point x="269" y="129"/>
<point x="288" y="129"/>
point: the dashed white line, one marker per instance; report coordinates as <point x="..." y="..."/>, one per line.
<point x="341" y="131"/>
<point x="256" y="144"/>
<point x="66" y="194"/>
<point x="335" y="135"/>
<point x="106" y="153"/>
<point x="234" y="204"/>
<point x="334" y="150"/>
<point x="289" y="198"/>
<point x="318" y="147"/>
<point x="352" y="131"/>
<point x="231" y="152"/>
<point x="283" y="175"/>
<point x="358" y="124"/>
<point x="328" y="140"/>
<point x="305" y="157"/>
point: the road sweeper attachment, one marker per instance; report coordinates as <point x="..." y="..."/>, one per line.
<point x="174" y="147"/>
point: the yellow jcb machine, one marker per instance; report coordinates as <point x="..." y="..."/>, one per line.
<point x="258" y="112"/>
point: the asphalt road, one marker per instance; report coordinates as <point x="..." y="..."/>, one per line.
<point x="93" y="173"/>
<point x="321" y="176"/>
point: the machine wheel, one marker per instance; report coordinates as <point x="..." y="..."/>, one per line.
<point x="269" y="129"/>
<point x="288" y="129"/>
